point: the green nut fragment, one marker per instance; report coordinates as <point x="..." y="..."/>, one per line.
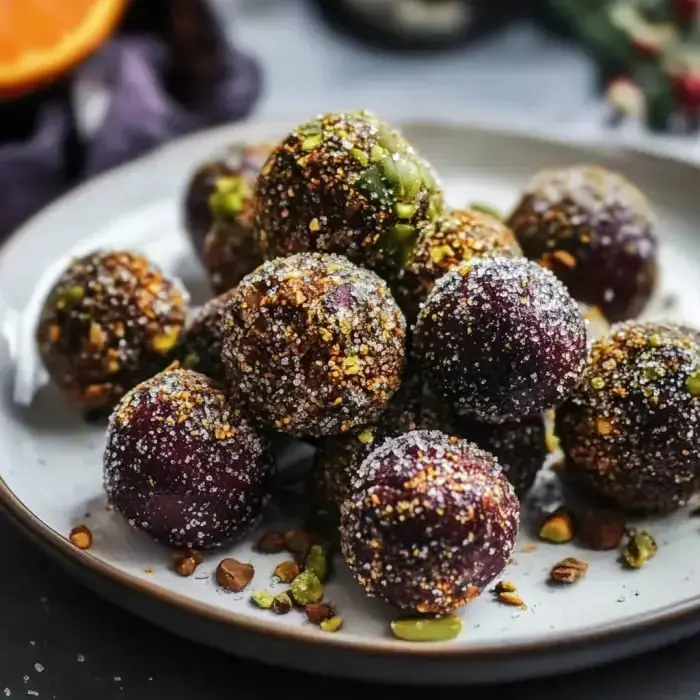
<point x="692" y="383"/>
<point x="191" y="361"/>
<point x="360" y="156"/>
<point x="597" y="383"/>
<point x="404" y="210"/>
<point x="427" y="629"/>
<point x="310" y="129"/>
<point x="317" y="561"/>
<point x="640" y="547"/>
<point x="332" y="624"/>
<point x="486" y="209"/>
<point x="228" y="199"/>
<point x="390" y="140"/>
<point x="435" y="206"/>
<point x="69" y="295"/>
<point x="311" y="142"/>
<point x="281" y="603"/>
<point x="429" y="181"/>
<point x="306" y="588"/>
<point x="371" y="185"/>
<point x="653" y="372"/>
<point x="409" y="177"/>
<point x="263" y="599"/>
<point x="377" y="153"/>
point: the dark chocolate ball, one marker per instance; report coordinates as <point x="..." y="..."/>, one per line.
<point x="110" y="321"/>
<point x="340" y="456"/>
<point x="454" y="237"/>
<point x="182" y="464"/>
<point x="501" y="339"/>
<point x="349" y="184"/>
<point x="222" y="190"/>
<point x="630" y="431"/>
<point x="201" y="344"/>
<point x="594" y="229"/>
<point x="430" y="521"/>
<point x="313" y="345"/>
<point x="520" y="447"/>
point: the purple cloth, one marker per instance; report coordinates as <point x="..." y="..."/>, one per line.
<point x="163" y="82"/>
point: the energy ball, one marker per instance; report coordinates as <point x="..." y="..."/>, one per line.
<point x="339" y="457"/>
<point x="501" y="339"/>
<point x="431" y="521"/>
<point x="630" y="431"/>
<point x="442" y="244"/>
<point x="348" y="184"/>
<point x="313" y="345"/>
<point x="182" y="465"/>
<point x="110" y="321"/>
<point x="520" y="447"/>
<point x="594" y="229"/>
<point x="221" y="190"/>
<point x="202" y="342"/>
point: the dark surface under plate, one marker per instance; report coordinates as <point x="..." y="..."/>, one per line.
<point x="58" y="640"/>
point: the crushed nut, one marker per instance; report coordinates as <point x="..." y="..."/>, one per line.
<point x="317" y="561"/>
<point x="568" y="570"/>
<point x="557" y="528"/>
<point x="528" y="548"/>
<point x="297" y="542"/>
<point x="602" y="529"/>
<point x="640" y="547"/>
<point x="271" y="543"/>
<point x="306" y="588"/>
<point x="287" y="571"/>
<point x="332" y="624"/>
<point x="281" y="604"/>
<point x="316" y="613"/>
<point x="510" y="598"/>
<point x="186" y="561"/>
<point x="234" y="575"/>
<point x="81" y="537"/>
<point x="263" y="599"/>
<point x="505" y="587"/>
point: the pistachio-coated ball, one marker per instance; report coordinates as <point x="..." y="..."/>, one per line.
<point x="313" y="345"/>
<point x="501" y="339"/>
<point x="430" y="522"/>
<point x="595" y="230"/>
<point x="349" y="184"/>
<point x="630" y="430"/>
<point x="182" y="464"/>
<point x="111" y="320"/>
<point x="455" y="236"/>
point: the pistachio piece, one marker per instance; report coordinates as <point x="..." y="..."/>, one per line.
<point x="262" y="598"/>
<point x="435" y="206"/>
<point x="692" y="383"/>
<point x="558" y="528"/>
<point x="377" y="153"/>
<point x="371" y="185"/>
<point x="69" y="295"/>
<point x="486" y="209"/>
<point x="404" y="231"/>
<point x="360" y="156"/>
<point x="281" y="604"/>
<point x="427" y="629"/>
<point x="390" y="140"/>
<point x="640" y="547"/>
<point x="163" y="343"/>
<point x="332" y="624"/>
<point x="234" y="575"/>
<point x="306" y="588"/>
<point x="409" y="177"/>
<point x="405" y="210"/>
<point x="311" y="142"/>
<point x="287" y="571"/>
<point x="81" y="537"/>
<point x="317" y="561"/>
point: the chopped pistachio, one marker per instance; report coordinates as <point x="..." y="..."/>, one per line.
<point x="409" y="177"/>
<point x="360" y="156"/>
<point x="558" y="528"/>
<point x="317" y="561"/>
<point x="281" y="604"/>
<point x="692" y="383"/>
<point x="311" y="142"/>
<point x="640" y="547"/>
<point x="435" y="206"/>
<point x="404" y="210"/>
<point x="366" y="437"/>
<point x="377" y="153"/>
<point x="263" y="599"/>
<point x="427" y="629"/>
<point x="306" y="588"/>
<point x="404" y="231"/>
<point x="287" y="571"/>
<point x="163" y="343"/>
<point x="70" y="295"/>
<point x="371" y="185"/>
<point x="486" y="209"/>
<point x="332" y="624"/>
<point x="428" y="177"/>
<point x="597" y="383"/>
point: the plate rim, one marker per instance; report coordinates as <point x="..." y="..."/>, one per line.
<point x="664" y="618"/>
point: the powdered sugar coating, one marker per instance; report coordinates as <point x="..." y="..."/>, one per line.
<point x="313" y="344"/>
<point x="110" y="321"/>
<point x="455" y="236"/>
<point x="501" y="339"/>
<point x="182" y="464"/>
<point x="631" y="431"/>
<point x="431" y="520"/>
<point x="346" y="183"/>
<point x="595" y="230"/>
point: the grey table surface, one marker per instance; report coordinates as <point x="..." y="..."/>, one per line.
<point x="58" y="640"/>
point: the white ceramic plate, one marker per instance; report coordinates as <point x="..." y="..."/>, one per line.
<point x="50" y="462"/>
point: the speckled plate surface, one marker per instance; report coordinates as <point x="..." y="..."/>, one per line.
<point x="50" y="461"/>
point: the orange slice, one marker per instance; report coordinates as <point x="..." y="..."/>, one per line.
<point x="41" y="40"/>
